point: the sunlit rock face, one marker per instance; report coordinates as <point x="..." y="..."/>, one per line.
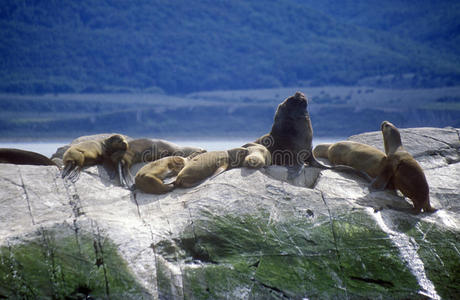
<point x="245" y="234"/>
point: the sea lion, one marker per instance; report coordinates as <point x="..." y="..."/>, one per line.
<point x="59" y="154"/>
<point x="149" y="178"/>
<point x="359" y="156"/>
<point x="258" y="156"/>
<point x="210" y="164"/>
<point x="290" y="139"/>
<point x="90" y="153"/>
<point x="146" y="150"/>
<point x="403" y="171"/>
<point x="23" y="157"/>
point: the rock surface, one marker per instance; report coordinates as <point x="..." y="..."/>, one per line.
<point x="245" y="234"/>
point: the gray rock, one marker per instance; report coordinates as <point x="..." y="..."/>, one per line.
<point x="245" y="234"/>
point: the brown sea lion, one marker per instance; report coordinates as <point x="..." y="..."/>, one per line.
<point x="146" y="150"/>
<point x="359" y="156"/>
<point x="403" y="171"/>
<point x="23" y="157"/>
<point x="90" y="153"/>
<point x="258" y="156"/>
<point x="290" y="139"/>
<point x="210" y="164"/>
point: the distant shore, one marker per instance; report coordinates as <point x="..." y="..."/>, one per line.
<point x="334" y="111"/>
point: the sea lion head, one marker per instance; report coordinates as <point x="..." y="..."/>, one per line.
<point x="116" y="143"/>
<point x="391" y="137"/>
<point x="236" y="156"/>
<point x="293" y="106"/>
<point x="258" y="156"/>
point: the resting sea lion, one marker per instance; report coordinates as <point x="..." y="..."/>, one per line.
<point x="90" y="153"/>
<point x="290" y="139"/>
<point x="23" y="157"/>
<point x="146" y="150"/>
<point x="210" y="164"/>
<point x="149" y="178"/>
<point x="403" y="171"/>
<point x="359" y="156"/>
<point x="258" y="156"/>
<point x="59" y="154"/>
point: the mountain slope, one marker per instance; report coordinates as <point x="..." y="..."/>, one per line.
<point x="88" y="46"/>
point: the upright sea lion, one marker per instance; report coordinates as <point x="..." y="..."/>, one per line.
<point x="90" y="153"/>
<point x="23" y="157"/>
<point x="290" y="139"/>
<point x="403" y="171"/>
<point x="210" y="164"/>
<point x="146" y="150"/>
<point x="149" y="178"/>
<point x="359" y="156"/>
<point x="258" y="156"/>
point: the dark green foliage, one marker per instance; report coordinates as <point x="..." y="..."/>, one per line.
<point x="114" y="46"/>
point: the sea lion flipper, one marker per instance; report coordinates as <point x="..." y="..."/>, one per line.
<point x="219" y="170"/>
<point x="74" y="175"/>
<point x="383" y="179"/>
<point x="66" y="170"/>
<point x="121" y="175"/>
<point x="294" y="171"/>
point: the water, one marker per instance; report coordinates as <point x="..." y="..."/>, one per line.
<point x="48" y="148"/>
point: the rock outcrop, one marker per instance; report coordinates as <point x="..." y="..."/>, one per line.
<point x="245" y="234"/>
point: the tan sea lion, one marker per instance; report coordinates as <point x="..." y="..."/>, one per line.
<point x="90" y="153"/>
<point x="57" y="157"/>
<point x="359" y="156"/>
<point x="23" y="157"/>
<point x="403" y="171"/>
<point x="210" y="164"/>
<point x="258" y="156"/>
<point x="150" y="177"/>
<point x="146" y="150"/>
<point x="290" y="139"/>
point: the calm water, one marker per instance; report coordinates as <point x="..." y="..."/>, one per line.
<point x="48" y="148"/>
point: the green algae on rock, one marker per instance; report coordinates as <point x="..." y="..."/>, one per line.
<point x="62" y="265"/>
<point x="294" y="258"/>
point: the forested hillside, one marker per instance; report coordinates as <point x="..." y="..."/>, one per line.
<point x="185" y="46"/>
